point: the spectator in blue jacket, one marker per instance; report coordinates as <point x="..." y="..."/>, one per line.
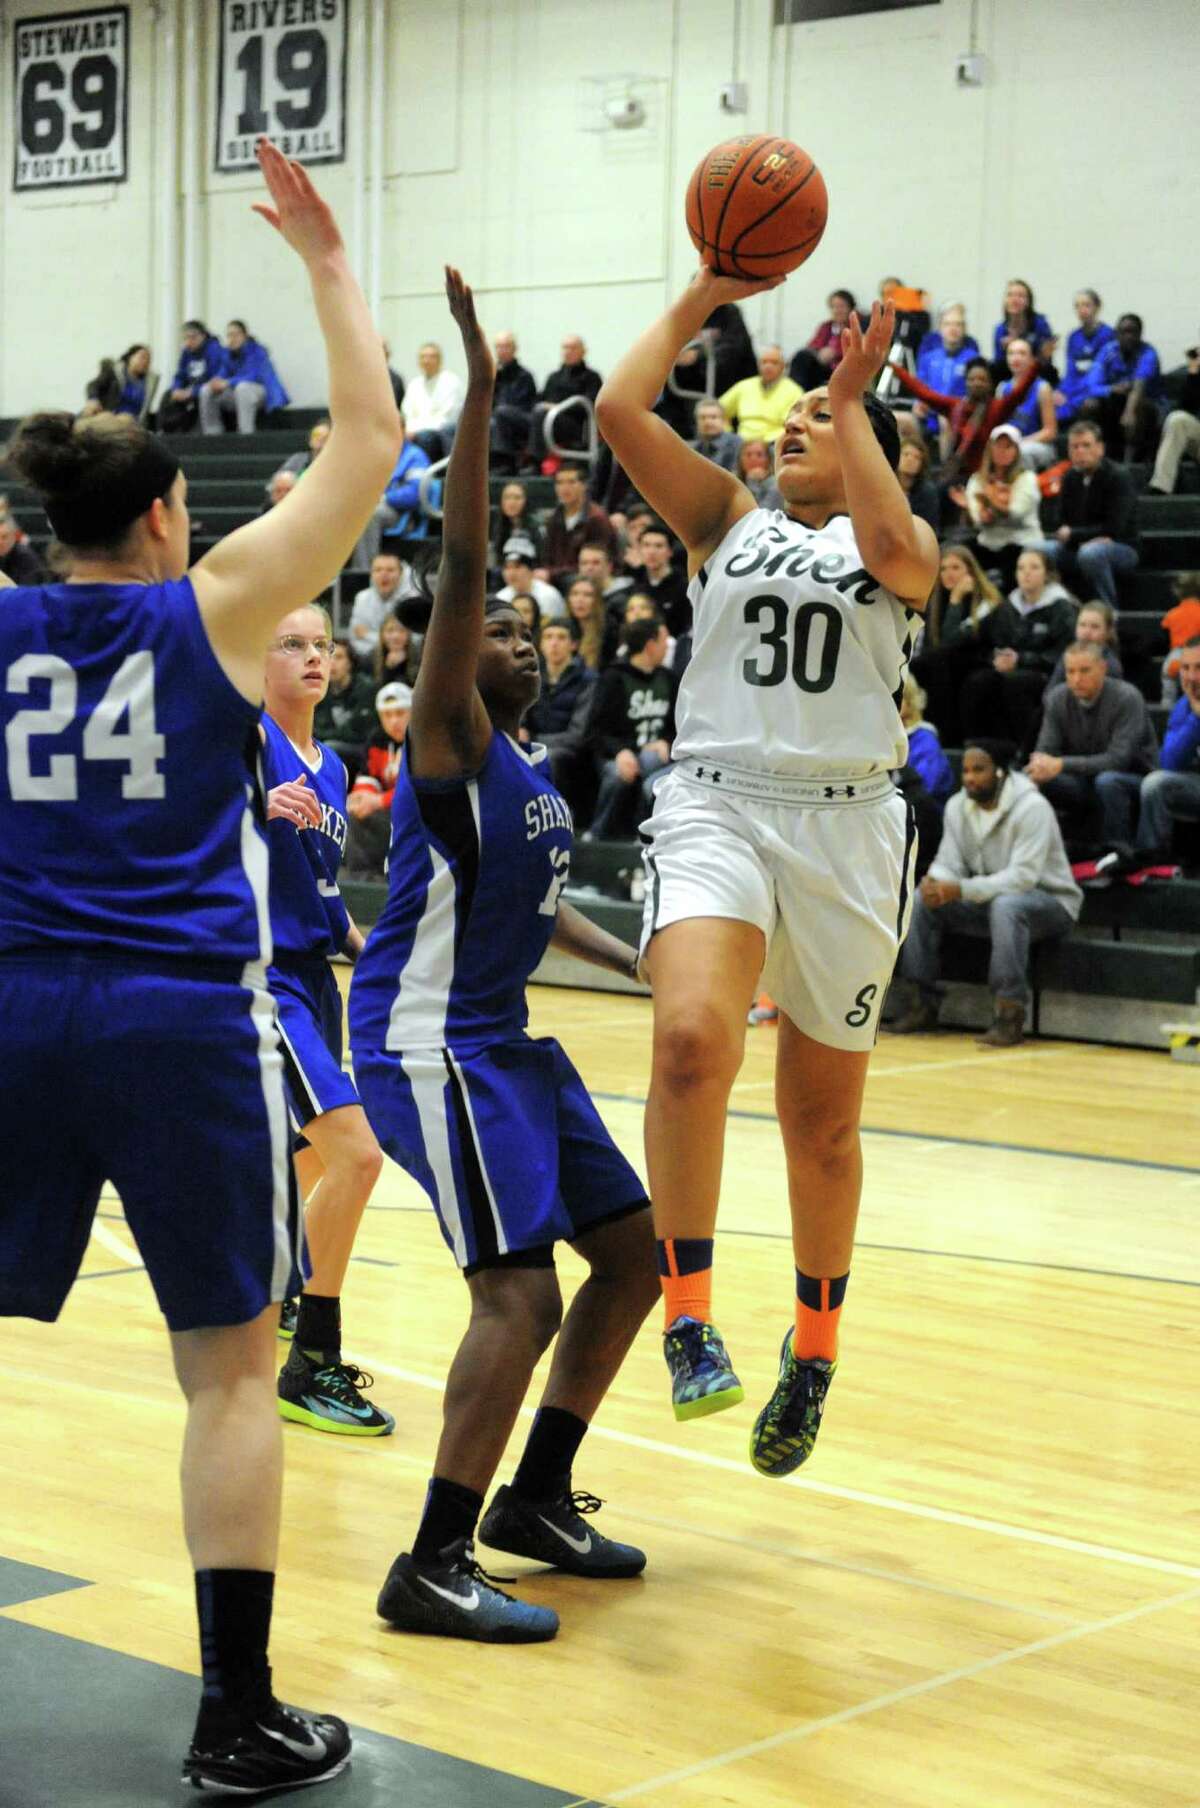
<point x="399" y="509"/>
<point x="1124" y="389"/>
<point x="123" y="385"/>
<point x="245" y="382"/>
<point x="1084" y="346"/>
<point x="1172" y="794"/>
<point x="199" y="360"/>
<point x="943" y="356"/>
<point x="1034" y="418"/>
<point x="1021" y="320"/>
<point x="926" y="755"/>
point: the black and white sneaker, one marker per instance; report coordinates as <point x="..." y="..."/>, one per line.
<point x="454" y="1598"/>
<point x="555" y="1531"/>
<point x="282" y="1749"/>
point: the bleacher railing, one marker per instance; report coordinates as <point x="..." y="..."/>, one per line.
<point x="593" y="432"/>
<point x="425" y="500"/>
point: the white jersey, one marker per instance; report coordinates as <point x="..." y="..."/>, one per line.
<point x="798" y="655"/>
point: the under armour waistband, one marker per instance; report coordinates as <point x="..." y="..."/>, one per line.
<point x="786" y="788"/>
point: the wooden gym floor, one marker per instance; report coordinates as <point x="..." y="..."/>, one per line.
<point x="984" y="1590"/>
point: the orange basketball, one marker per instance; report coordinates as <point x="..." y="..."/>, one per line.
<point x="756" y="207"/>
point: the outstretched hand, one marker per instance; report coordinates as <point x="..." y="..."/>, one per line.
<point x="732" y="288"/>
<point x="299" y="213"/>
<point x="863" y="353"/>
<point x="480" y="362"/>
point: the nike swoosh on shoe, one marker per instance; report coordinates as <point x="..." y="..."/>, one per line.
<point x="581" y="1545"/>
<point x="354" y="1412"/>
<point x="468" y="1603"/>
<point x="314" y="1748"/>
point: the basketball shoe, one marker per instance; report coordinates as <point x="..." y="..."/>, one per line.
<point x="455" y="1598"/>
<point x="786" y="1428"/>
<point x="554" y="1531"/>
<point x="281" y="1749"/>
<point x="702" y="1378"/>
<point x="327" y="1397"/>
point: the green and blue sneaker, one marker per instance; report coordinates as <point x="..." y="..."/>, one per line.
<point x="289" y="1311"/>
<point x="786" y="1428"/>
<point x="702" y="1380"/>
<point x="326" y="1395"/>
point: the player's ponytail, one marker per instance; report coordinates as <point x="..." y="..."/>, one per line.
<point x="94" y="475"/>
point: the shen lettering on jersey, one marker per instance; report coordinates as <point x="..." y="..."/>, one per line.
<point x="545" y="812"/>
<point x="790" y="561"/>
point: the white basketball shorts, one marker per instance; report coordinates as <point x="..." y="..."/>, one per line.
<point x="826" y="876"/>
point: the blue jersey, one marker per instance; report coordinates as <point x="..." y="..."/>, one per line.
<point x="307" y="912"/>
<point x="131" y="815"/>
<point x="474" y="873"/>
<point x="1028" y="417"/>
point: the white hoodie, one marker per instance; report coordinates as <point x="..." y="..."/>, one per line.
<point x="1017" y="846"/>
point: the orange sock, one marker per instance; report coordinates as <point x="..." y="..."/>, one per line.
<point x="818" y="1309"/>
<point x="685" y="1271"/>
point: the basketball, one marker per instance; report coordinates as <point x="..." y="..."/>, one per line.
<point x="756" y="207"/>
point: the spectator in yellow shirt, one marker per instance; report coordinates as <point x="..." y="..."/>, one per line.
<point x="758" y="406"/>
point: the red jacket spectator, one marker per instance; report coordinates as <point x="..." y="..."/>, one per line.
<point x="971" y="421"/>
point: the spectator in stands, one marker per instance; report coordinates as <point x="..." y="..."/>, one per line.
<point x="345" y="716"/>
<point x="245" y="383"/>
<point x="970" y="419"/>
<point x="951" y="641"/>
<point x="1084" y="346"/>
<point x="926" y="754"/>
<point x="630" y="527"/>
<point x="912" y="472"/>
<point x="1093" y="541"/>
<point x="943" y="355"/>
<point x="1097" y="624"/>
<point x="123" y="385"/>
<point x="398" y="511"/>
<point x="1034" y="415"/>
<point x="595" y="563"/>
<point x="397" y="655"/>
<point x="1124" y="390"/>
<point x="391" y="581"/>
<point x="757" y="472"/>
<point x="370" y="801"/>
<point x="585" y="606"/>
<point x="1022" y="640"/>
<point x="574" y="377"/>
<point x="1182" y="622"/>
<point x="713" y="439"/>
<point x="1000" y="871"/>
<point x="575" y="522"/>
<point x="520" y="579"/>
<point x="811" y="365"/>
<point x="1003" y="500"/>
<point x="513" y="402"/>
<point x="726" y="335"/>
<point x="1172" y="793"/>
<point x="18" y="561"/>
<point x="1181" y="430"/>
<point x="630" y="730"/>
<point x="1095" y="731"/>
<point x="299" y="462"/>
<point x="394" y="377"/>
<point x="1020" y="320"/>
<point x="558" y="720"/>
<point x="661" y="582"/>
<point x="199" y="361"/>
<point x="432" y="404"/>
<point x="638" y="607"/>
<point x="281" y="484"/>
<point x="512" y="518"/>
<point x="757" y="407"/>
<point x="527" y="608"/>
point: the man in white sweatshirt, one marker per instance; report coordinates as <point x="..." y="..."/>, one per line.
<point x="1001" y="871"/>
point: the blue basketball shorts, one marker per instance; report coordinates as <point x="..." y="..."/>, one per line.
<point x="169" y="1084"/>
<point x="505" y="1141"/>
<point x="310" y="1028"/>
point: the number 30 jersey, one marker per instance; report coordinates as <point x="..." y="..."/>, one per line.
<point x="131" y="815"/>
<point x="475" y="869"/>
<point x="798" y="656"/>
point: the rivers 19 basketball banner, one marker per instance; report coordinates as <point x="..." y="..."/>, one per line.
<point x="281" y="71"/>
<point x="70" y="98"/>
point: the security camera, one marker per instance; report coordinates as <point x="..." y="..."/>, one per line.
<point x="624" y="111"/>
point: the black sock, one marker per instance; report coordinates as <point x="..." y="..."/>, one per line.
<point x="450" y="1514"/>
<point x="544" y="1472"/>
<point x="234" y="1610"/>
<point x="319" y="1326"/>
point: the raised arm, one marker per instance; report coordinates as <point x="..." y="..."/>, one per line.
<point x="289" y="555"/>
<point x="697" y="498"/>
<point x="450" y="730"/>
<point x="898" y="549"/>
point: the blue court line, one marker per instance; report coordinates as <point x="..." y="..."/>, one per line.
<point x="965" y="1142"/>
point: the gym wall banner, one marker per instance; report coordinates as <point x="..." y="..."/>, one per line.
<point x="281" y="70"/>
<point x="70" y="98"/>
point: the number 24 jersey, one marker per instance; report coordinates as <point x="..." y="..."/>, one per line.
<point x="798" y="656"/>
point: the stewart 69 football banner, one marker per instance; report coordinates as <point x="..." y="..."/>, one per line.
<point x="281" y="70"/>
<point x="70" y="98"/>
